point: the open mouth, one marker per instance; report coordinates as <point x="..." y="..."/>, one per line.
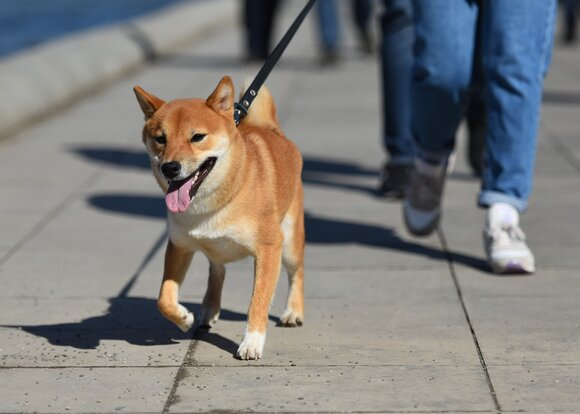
<point x="181" y="192"/>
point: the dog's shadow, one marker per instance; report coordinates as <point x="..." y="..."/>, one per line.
<point x="136" y="321"/>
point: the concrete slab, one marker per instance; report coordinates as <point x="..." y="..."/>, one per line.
<point x="537" y="388"/>
<point x="386" y="318"/>
<point x="64" y="346"/>
<point x="85" y="390"/>
<point x="87" y="332"/>
<point x="385" y="329"/>
<point x="525" y="320"/>
<point x="332" y="389"/>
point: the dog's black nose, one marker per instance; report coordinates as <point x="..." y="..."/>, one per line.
<point x="171" y="169"/>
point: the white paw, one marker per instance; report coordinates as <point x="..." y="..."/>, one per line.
<point x="209" y="317"/>
<point x="291" y="319"/>
<point x="252" y="346"/>
<point x="186" y="319"/>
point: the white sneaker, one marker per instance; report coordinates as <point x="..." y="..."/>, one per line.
<point x="505" y="242"/>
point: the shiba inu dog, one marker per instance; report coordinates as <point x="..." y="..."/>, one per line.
<point x="231" y="192"/>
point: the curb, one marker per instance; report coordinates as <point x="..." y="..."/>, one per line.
<point x="40" y="81"/>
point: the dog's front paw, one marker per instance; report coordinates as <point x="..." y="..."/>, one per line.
<point x="291" y="318"/>
<point x="252" y="346"/>
<point x="187" y="319"/>
<point x="209" y="317"/>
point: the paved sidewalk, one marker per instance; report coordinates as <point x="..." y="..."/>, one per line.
<point x="393" y="323"/>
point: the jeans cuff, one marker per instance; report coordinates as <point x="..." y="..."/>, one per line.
<point x="487" y="198"/>
<point x="433" y="157"/>
<point x="401" y="159"/>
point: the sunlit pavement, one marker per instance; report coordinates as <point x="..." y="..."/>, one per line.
<point x="393" y="323"/>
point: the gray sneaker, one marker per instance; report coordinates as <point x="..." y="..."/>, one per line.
<point x="422" y="206"/>
<point x="393" y="180"/>
<point x="505" y="243"/>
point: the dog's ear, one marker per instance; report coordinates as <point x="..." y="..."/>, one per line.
<point x="148" y="102"/>
<point x="222" y="98"/>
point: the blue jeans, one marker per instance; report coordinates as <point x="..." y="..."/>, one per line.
<point x="396" y="65"/>
<point x="517" y="38"/>
<point x="329" y="25"/>
<point x="328" y="20"/>
<point x="258" y="20"/>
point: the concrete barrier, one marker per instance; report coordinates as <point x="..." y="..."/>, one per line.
<point x="38" y="81"/>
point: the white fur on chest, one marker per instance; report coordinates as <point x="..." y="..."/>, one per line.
<point x="209" y="233"/>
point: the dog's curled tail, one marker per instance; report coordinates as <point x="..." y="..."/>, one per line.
<point x="262" y="112"/>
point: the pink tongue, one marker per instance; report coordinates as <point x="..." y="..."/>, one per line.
<point x="177" y="197"/>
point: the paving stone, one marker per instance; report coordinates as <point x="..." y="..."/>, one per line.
<point x="333" y="389"/>
<point x="85" y="390"/>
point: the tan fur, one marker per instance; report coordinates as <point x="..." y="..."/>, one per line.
<point x="250" y="204"/>
<point x="262" y="112"/>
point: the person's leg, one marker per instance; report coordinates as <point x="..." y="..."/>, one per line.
<point x="252" y="21"/>
<point x="475" y="117"/>
<point x="270" y="8"/>
<point x="516" y="50"/>
<point x="444" y="48"/>
<point x="570" y="9"/>
<point x="396" y="65"/>
<point x="329" y="29"/>
<point x="362" y="13"/>
<point x="445" y="36"/>
<point x="258" y="20"/>
<point x="476" y="114"/>
<point x="362" y="10"/>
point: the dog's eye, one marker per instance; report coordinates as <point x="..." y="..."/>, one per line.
<point x="197" y="137"/>
<point x="161" y="139"/>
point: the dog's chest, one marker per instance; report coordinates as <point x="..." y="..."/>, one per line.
<point x="219" y="242"/>
<point x="222" y="249"/>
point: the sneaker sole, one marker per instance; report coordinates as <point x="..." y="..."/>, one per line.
<point x="512" y="267"/>
<point x="423" y="231"/>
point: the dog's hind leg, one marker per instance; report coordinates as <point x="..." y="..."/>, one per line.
<point x="177" y="262"/>
<point x="293" y="260"/>
<point x="212" y="300"/>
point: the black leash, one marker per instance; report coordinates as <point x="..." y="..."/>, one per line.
<point x="241" y="108"/>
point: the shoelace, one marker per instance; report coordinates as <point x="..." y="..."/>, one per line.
<point x="507" y="235"/>
<point x="426" y="192"/>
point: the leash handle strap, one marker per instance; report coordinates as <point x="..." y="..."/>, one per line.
<point x="241" y="108"/>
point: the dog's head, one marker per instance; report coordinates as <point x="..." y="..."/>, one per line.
<point x="187" y="140"/>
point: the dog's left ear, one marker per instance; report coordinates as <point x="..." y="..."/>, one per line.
<point x="148" y="102"/>
<point x="222" y="98"/>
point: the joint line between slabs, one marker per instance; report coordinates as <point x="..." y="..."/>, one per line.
<point x="482" y="362"/>
<point x="52" y="214"/>
<point x="181" y="373"/>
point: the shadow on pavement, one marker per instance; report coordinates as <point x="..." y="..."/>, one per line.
<point x="118" y="157"/>
<point x="316" y="171"/>
<point x="561" y="97"/>
<point x="147" y="206"/>
<point x="331" y="173"/>
<point x="134" y="320"/>
<point x="319" y="230"/>
<point x="217" y="340"/>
